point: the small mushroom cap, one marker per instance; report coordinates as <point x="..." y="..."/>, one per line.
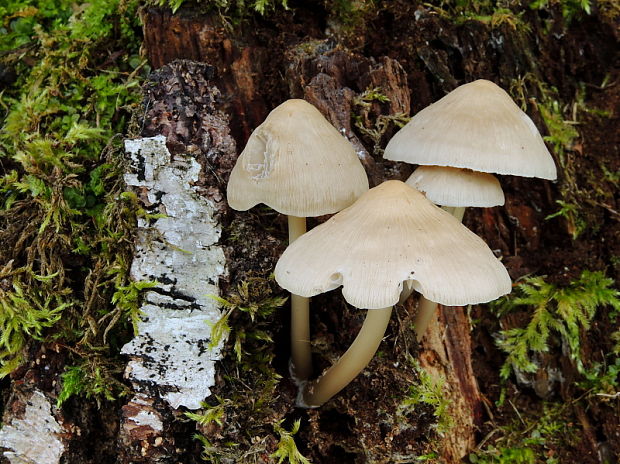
<point x="476" y="126"/>
<point x="297" y="163"/>
<point x="457" y="187"/>
<point x="390" y="235"/>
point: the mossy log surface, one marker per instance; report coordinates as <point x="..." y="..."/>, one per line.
<point x="214" y="80"/>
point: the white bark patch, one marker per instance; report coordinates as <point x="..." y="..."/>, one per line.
<point x="146" y="417"/>
<point x="33" y="439"/>
<point x="181" y="253"/>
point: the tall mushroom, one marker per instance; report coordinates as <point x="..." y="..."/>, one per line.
<point x="297" y="163"/>
<point x="391" y="235"/>
<point x="475" y="130"/>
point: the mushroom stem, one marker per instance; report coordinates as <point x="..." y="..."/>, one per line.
<point x="456" y="211"/>
<point x="351" y="363"/>
<point x="301" y="354"/>
<point x="427" y="308"/>
<point x="424" y="315"/>
<point x="296" y="228"/>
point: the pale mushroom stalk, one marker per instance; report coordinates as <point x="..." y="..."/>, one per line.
<point x="300" y="315"/>
<point x="427" y="308"/>
<point x="424" y="316"/>
<point x="351" y="363"/>
<point x="456" y="211"/>
<point x="296" y="228"/>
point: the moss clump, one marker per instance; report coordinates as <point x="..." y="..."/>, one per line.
<point x="287" y="449"/>
<point x="427" y="392"/>
<point x="582" y="201"/>
<point x="238" y="8"/>
<point x="71" y="73"/>
<point x="498" y="13"/>
<point x="561" y="311"/>
<point x="530" y="439"/>
<point x="375" y="127"/>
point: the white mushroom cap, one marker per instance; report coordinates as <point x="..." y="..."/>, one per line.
<point x="390" y="235"/>
<point x="476" y="126"/>
<point x="297" y="163"/>
<point x="457" y="187"/>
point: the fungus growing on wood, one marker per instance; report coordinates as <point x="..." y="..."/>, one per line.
<point x="391" y="235"/>
<point x="476" y="126"/>
<point x="297" y="163"/>
<point x="475" y="130"/>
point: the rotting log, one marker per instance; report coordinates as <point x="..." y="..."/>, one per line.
<point x="333" y="79"/>
<point x="204" y="38"/>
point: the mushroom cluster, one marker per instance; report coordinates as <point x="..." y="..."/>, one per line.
<point x="390" y="235"/>
<point x="459" y="141"/>
<point x="388" y="241"/>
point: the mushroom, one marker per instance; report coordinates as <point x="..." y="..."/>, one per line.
<point x="392" y="234"/>
<point x="476" y="126"/>
<point x="297" y="163"/>
<point x="473" y="131"/>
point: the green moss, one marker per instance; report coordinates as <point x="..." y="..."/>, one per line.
<point x="287" y="449"/>
<point x="570" y="212"/>
<point x="570" y="8"/>
<point x="127" y="301"/>
<point x="493" y="13"/>
<point x="25" y="313"/>
<point x="249" y="389"/>
<point x="566" y="312"/>
<point x="580" y="202"/>
<point x="94" y="378"/>
<point x="531" y="438"/>
<point x="65" y="227"/>
<point x="427" y="391"/>
<point x="496" y="13"/>
<point x="239" y="8"/>
<point x="210" y="413"/>
<point x="375" y="127"/>
<point x="242" y="301"/>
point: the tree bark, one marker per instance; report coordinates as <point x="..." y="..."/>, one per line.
<point x="174" y="353"/>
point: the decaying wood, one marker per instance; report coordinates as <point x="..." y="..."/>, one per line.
<point x="173" y="355"/>
<point x="204" y="38"/>
<point x="445" y="353"/>
<point x="31" y="434"/>
<point x="334" y="80"/>
<point x="34" y="430"/>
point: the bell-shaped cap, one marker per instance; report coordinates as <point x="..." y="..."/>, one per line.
<point x="297" y="163"/>
<point x="390" y="235"/>
<point x="457" y="187"/>
<point x="476" y="126"/>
